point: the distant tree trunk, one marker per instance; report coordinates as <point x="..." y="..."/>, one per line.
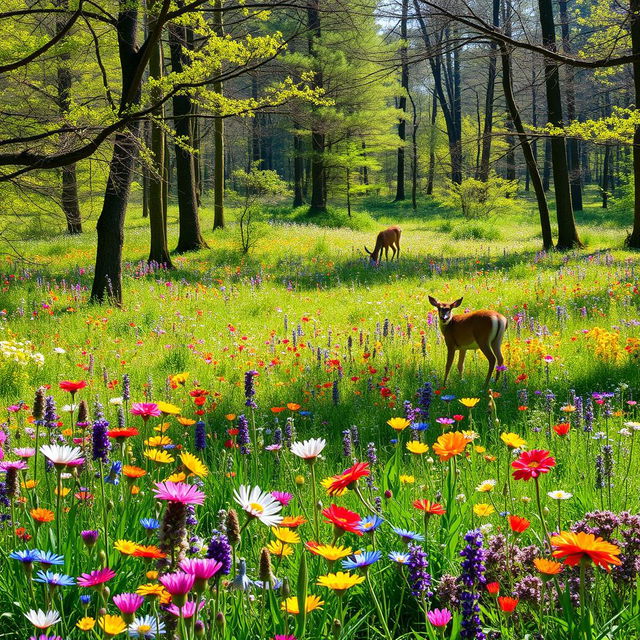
<point x="546" y="168"/>
<point x="70" y="203"/>
<point x="432" y="145"/>
<point x="510" y="155"/>
<point x="159" y="249"/>
<point x="485" y="159"/>
<point x="633" y="240"/>
<point x="218" y="138"/>
<point x="254" y="150"/>
<point x="190" y="238"/>
<point x="567" y="232"/>
<point x="414" y="154"/>
<point x="606" y="172"/>
<point x="318" y="142"/>
<point x="543" y="207"/>
<point x="365" y="169"/>
<point x="573" y="151"/>
<point x="298" y="168"/>
<point x="402" y="103"/>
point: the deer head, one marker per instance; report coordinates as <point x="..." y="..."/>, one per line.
<point x="445" y="308"/>
<point x="372" y="254"/>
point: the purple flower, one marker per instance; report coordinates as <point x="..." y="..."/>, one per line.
<point x="249" y="389"/>
<point x="128" y="603"/>
<point x="101" y="444"/>
<point x="419" y="578"/>
<point x="200" y="436"/>
<point x="90" y="537"/>
<point x="243" y="438"/>
<point x="346" y="443"/>
<point x="471" y="580"/>
<point x="219" y="549"/>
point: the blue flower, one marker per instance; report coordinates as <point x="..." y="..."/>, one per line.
<point x="27" y="555"/>
<point x="49" y="558"/>
<point x="241" y="582"/>
<point x="447" y="398"/>
<point x="408" y="536"/>
<point x="150" y="523"/>
<point x="85" y="600"/>
<point x="369" y="524"/>
<point x="275" y="584"/>
<point x="304" y="413"/>
<point x="399" y="557"/>
<point x="113" y="477"/>
<point x="361" y="560"/>
<point x="419" y="426"/>
<point x="54" y="579"/>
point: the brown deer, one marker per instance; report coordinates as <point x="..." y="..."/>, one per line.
<point x="388" y="238"/>
<point x="482" y="330"/>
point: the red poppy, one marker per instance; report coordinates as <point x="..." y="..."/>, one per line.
<point x="430" y="508"/>
<point x="197" y="393"/>
<point x="531" y="464"/>
<point x="121" y="434"/>
<point x="493" y="588"/>
<point x="522" y="377"/>
<point x="507" y="604"/>
<point x="342" y="519"/>
<point x="200" y="401"/>
<point x="518" y="524"/>
<point x="277" y="409"/>
<point x="522" y="408"/>
<point x="72" y="386"/>
<point x="348" y="477"/>
<point x="458" y="417"/>
<point x="562" y="429"/>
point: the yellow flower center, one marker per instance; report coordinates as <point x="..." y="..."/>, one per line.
<point x="144" y="628"/>
<point x="255" y="506"/>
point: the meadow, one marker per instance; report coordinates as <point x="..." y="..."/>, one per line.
<point x="387" y="506"/>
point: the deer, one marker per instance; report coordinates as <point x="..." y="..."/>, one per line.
<point x="482" y="330"/>
<point x="388" y="238"/>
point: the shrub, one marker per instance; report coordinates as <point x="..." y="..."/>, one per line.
<point x="480" y="200"/>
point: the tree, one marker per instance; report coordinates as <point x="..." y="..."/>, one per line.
<point x="402" y="102"/>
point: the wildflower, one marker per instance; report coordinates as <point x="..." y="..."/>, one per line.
<point x="168" y="409"/>
<point x="407" y="479"/>
<point x="339" y="582"/>
<point x="147" y="627"/>
<point x="399" y="557"/>
<point x="125" y="547"/>
<point x="471" y="578"/>
<point x="42" y="515"/>
<point x="507" y="604"/>
<point x="132" y="472"/>
<point x="128" y="603"/>
<point x="369" y="524"/>
<point x="342" y="519"/>
<point x="547" y="567"/>
<point x="90" y="536"/>
<point x="398" y="424"/>
<point x="417" y="447"/>
<point x="348" y="478"/>
<point x="513" y="440"/>
<point x="54" y="579"/>
<point x="439" y="617"/>
<point x="111" y="625"/>
<point x="62" y="455"/>
<point x="149" y="552"/>
<point x="559" y="495"/>
<point x="419" y="578"/>
<point x="48" y="558"/>
<point x="179" y="492"/>
<point x="258" y="504"/>
<point x="159" y="456"/>
<point x="331" y="553"/>
<point x="290" y="605"/>
<point x="493" y="588"/>
<point x="279" y="548"/>
<point x="150" y="524"/>
<point x="194" y="465"/>
<point x="153" y="590"/>
<point x="562" y="429"/>
<point x="430" y="508"/>
<point x="282" y="497"/>
<point x="188" y="610"/>
<point x="408" y="536"/>
<point x="86" y="624"/>
<point x="573" y="548"/>
<point x="145" y="410"/>
<point x="518" y="524"/>
<point x="219" y="549"/>
<point x="449" y="445"/>
<point x="96" y="577"/>
<point x="531" y="464"/>
<point x="202" y="569"/>
<point x="485" y="486"/>
<point x="309" y="449"/>
<point x="469" y="402"/>
<point x="483" y="510"/>
<point x="362" y="560"/>
<point x="285" y="535"/>
<point x="72" y="386"/>
<point x="178" y="584"/>
<point x="42" y="619"/>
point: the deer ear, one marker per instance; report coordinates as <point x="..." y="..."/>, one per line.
<point x="457" y="303"/>
<point x="433" y="301"/>
<point x="367" y="250"/>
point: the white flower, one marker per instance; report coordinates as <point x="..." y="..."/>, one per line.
<point x="61" y="453"/>
<point x="486" y="528"/>
<point x="145" y="627"/>
<point x="116" y="401"/>
<point x="633" y="425"/>
<point x="42" y="620"/>
<point x="486" y="485"/>
<point x="309" y="449"/>
<point x="259" y="504"/>
<point x="559" y="495"/>
<point x="59" y="350"/>
<point x="69" y="408"/>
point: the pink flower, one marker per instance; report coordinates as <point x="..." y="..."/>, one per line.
<point x="24" y="452"/>
<point x="282" y="497"/>
<point x="439" y="617"/>
<point x="17" y="465"/>
<point x="281" y="637"/>
<point x="145" y="410"/>
<point x="96" y="577"/>
<point x="128" y="602"/>
<point x="179" y="492"/>
<point x="201" y="568"/>
<point x="187" y="610"/>
<point x="178" y="583"/>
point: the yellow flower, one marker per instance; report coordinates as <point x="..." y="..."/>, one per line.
<point x="185" y="422"/>
<point x="162" y="427"/>
<point x="482" y="509"/>
<point x="29" y="484"/>
<point x="285" y="535"/>
<point x="194" y="465"/>
<point x="151" y="575"/>
<point x="158" y="441"/>
<point x="417" y="447"/>
<point x="125" y="547"/>
<point x="281" y="549"/>
<point x="290" y="605"/>
<point x="179" y="378"/>
<point x="177" y="477"/>
<point x="64" y="491"/>
<point x="513" y="440"/>
<point x="568" y="408"/>
<point x="449" y="445"/>
<point x="479" y="449"/>
<point x="332" y="553"/>
<point x="469" y="402"/>
<point x="300" y="480"/>
<point x="168" y="409"/>
<point x="327" y="482"/>
<point x="398" y="424"/>
<point x="470" y="435"/>
<point x="485" y="486"/>
<point x="153" y="590"/>
<point x="340" y="581"/>
<point x="405" y="479"/>
<point x="86" y="624"/>
<point x="112" y="625"/>
<point x="159" y="456"/>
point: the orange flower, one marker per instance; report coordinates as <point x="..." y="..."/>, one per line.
<point x="292" y="522"/>
<point x="562" y="429"/>
<point x="430" y="508"/>
<point x="547" y="567"/>
<point x="186" y="422"/>
<point x="133" y="472"/>
<point x="518" y="524"/>
<point x="345" y="480"/>
<point x="507" y="604"/>
<point x="450" y="444"/>
<point x="148" y="552"/>
<point x="573" y="548"/>
<point x="42" y="515"/>
<point x="292" y="406"/>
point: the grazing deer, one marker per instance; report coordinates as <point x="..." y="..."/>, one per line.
<point x="388" y="238"/>
<point x="476" y="330"/>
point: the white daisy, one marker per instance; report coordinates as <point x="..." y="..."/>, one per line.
<point x="69" y="408"/>
<point x="61" y="454"/>
<point x="259" y="504"/>
<point x="560" y="495"/>
<point x="309" y="449"/>
<point x="145" y="627"/>
<point x="116" y="401"/>
<point x="41" y="619"/>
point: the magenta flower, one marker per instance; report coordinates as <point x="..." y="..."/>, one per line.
<point x="128" y="602"/>
<point x="16" y="465"/>
<point x="24" y="452"/>
<point x="201" y="568"/>
<point x="178" y="583"/>
<point x="179" y="492"/>
<point x="187" y="610"/>
<point x="96" y="577"/>
<point x="439" y="617"/>
<point x="281" y="637"/>
<point x="282" y="497"/>
<point x="145" y="410"/>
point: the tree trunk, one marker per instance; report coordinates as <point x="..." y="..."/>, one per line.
<point x="633" y="240"/>
<point x="218" y="139"/>
<point x="432" y="145"/>
<point x="70" y="203"/>
<point x="414" y="154"/>
<point x="298" y="168"/>
<point x="567" y="232"/>
<point x="485" y="159"/>
<point x="606" y="172"/>
<point x="402" y="103"/>
<point x="190" y="238"/>
<point x="536" y="181"/>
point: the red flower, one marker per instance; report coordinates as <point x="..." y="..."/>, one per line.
<point x="531" y="464"/>
<point x="507" y="604"/>
<point x="562" y="429"/>
<point x="493" y="588"/>
<point x="518" y="524"/>
<point x="342" y="519"/>
<point x="72" y="386"/>
<point x="348" y="477"/>
<point x="431" y="508"/>
<point x="121" y="434"/>
<point x="458" y="417"/>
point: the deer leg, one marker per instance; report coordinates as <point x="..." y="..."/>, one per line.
<point x="489" y="355"/>
<point x="386" y="253"/>
<point x="393" y="252"/>
<point x="496" y="347"/>
<point x="451" y="353"/>
<point x="398" y="245"/>
<point x="462" y="354"/>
